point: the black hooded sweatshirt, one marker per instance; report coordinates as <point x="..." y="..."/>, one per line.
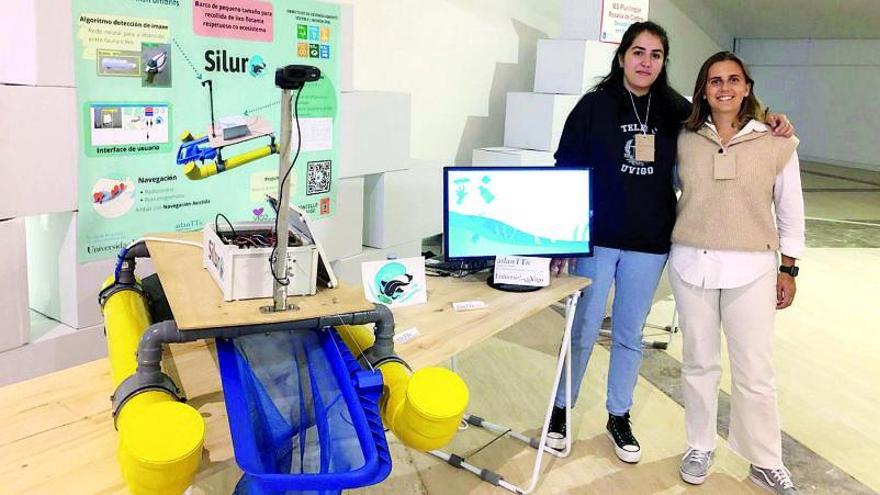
<point x="633" y="201"/>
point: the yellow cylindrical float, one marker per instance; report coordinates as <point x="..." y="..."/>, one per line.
<point x="160" y="439"/>
<point x="424" y="409"/>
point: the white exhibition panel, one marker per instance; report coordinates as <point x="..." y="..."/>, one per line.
<point x="511" y="157"/>
<point x="45" y="356"/>
<point x="36" y="43"/>
<point x="375" y="135"/>
<point x="341" y="235"/>
<point x="535" y="120"/>
<point x="403" y="205"/>
<point x="59" y="286"/>
<point x="348" y="270"/>
<point x="580" y="19"/>
<point x="15" y="327"/>
<point x="806" y="78"/>
<point x="38" y="148"/>
<point x="571" y="66"/>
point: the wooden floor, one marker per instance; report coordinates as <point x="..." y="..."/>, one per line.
<point x="523" y="355"/>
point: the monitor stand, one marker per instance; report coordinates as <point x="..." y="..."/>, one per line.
<point x="509" y="287"/>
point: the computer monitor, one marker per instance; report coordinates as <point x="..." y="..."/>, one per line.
<point x="523" y="211"/>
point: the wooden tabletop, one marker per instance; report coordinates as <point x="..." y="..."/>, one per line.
<point x="445" y="332"/>
<point x="197" y="302"/>
<point x="56" y="431"/>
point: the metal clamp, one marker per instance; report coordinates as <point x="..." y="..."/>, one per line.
<point x="116" y="288"/>
<point x="134" y="385"/>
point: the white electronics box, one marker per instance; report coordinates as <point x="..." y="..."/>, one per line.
<point x="245" y="273"/>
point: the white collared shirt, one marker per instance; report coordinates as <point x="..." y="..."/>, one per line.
<point x="720" y="269"/>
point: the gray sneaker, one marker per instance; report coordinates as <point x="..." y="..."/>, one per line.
<point x="695" y="466"/>
<point x="773" y="480"/>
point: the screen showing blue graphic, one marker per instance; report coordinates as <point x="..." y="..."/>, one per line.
<point x="523" y="211"/>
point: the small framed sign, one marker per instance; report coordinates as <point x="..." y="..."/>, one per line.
<point x="395" y="283"/>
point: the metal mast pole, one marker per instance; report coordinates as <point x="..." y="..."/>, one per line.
<point x="279" y="288"/>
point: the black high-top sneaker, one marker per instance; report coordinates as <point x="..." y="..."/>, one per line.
<point x="625" y="444"/>
<point x="556" y="433"/>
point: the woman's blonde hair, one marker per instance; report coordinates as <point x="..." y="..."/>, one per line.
<point x="751" y="107"/>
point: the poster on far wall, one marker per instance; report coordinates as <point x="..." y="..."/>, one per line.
<point x="618" y="15"/>
<point x="152" y="76"/>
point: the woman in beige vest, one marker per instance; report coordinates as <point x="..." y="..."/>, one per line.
<point x="741" y="203"/>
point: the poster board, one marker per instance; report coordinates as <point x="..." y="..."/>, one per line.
<point x="140" y="70"/>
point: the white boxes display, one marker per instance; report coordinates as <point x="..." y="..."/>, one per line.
<point x="375" y="135"/>
<point x="348" y="270"/>
<point x="245" y="273"/>
<point x="53" y="354"/>
<point x="535" y="120"/>
<point x="38" y="148"/>
<point x="571" y="66"/>
<point x="511" y="157"/>
<point x="36" y="43"/>
<point x="59" y="286"/>
<point x="580" y="19"/>
<point x="346" y="60"/>
<point x="403" y="205"/>
<point x="341" y="235"/>
<point x="13" y="285"/>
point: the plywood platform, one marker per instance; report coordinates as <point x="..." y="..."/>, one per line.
<point x="197" y="302"/>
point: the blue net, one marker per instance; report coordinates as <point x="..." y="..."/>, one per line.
<point x="302" y="413"/>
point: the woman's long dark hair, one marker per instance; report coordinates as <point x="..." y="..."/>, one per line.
<point x="613" y="81"/>
<point x="751" y="107"/>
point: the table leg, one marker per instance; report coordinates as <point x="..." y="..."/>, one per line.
<point x="562" y="365"/>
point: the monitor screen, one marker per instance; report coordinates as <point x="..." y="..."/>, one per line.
<point x="524" y="211"/>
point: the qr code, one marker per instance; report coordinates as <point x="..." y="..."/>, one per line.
<point x="318" y="179"/>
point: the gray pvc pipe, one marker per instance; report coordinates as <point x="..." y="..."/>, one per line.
<point x="149" y="353"/>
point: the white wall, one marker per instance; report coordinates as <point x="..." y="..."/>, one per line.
<point x="690" y="44"/>
<point x="457" y="58"/>
<point x="829" y="90"/>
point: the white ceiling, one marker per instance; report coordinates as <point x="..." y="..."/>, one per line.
<point x="793" y="19"/>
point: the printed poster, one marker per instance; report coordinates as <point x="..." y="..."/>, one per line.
<point x="145" y="74"/>
<point x="618" y="15"/>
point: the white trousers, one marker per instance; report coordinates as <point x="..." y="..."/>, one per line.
<point x="747" y="314"/>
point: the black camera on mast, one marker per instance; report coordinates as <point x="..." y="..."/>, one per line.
<point x="295" y="76"/>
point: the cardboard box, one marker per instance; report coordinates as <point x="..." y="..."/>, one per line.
<point x="36" y="43"/>
<point x="38" y="150"/>
<point x="15" y="329"/>
<point x="403" y="205"/>
<point x="375" y="132"/>
<point x="59" y="286"/>
<point x="348" y="270"/>
<point x="571" y="66"/>
<point x="341" y="235"/>
<point x="511" y="157"/>
<point x="535" y="120"/>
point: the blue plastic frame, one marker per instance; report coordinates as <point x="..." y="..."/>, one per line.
<point x="360" y="390"/>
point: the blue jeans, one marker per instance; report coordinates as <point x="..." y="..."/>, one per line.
<point x="635" y="276"/>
